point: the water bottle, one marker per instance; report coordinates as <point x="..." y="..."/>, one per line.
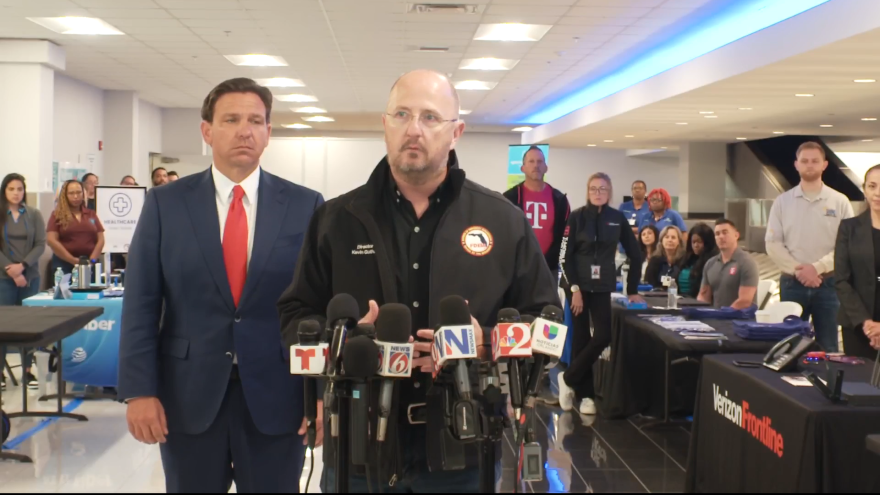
<point x="74" y="276"/>
<point x="624" y="275"/>
<point x="59" y="274"/>
<point x="672" y="303"/>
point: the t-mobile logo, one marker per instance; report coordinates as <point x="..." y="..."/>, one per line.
<point x="536" y="212"/>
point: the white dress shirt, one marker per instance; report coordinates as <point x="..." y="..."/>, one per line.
<point x="223" y="187"/>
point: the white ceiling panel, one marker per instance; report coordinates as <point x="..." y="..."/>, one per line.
<point x="200" y="4"/>
<point x="130" y="13"/>
<point x="117" y="4"/>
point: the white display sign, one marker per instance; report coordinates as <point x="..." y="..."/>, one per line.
<point x="119" y="208"/>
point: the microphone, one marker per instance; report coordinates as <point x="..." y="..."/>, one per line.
<point x="548" y="342"/>
<point x="359" y="362"/>
<point x="454" y="341"/>
<point x="393" y="330"/>
<point x="309" y="358"/>
<point x="342" y="315"/>
<point x="511" y="341"/>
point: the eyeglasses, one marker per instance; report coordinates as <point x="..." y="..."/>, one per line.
<point x="427" y="120"/>
<point x="597" y="190"/>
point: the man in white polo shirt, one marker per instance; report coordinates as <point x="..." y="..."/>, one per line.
<point x="800" y="238"/>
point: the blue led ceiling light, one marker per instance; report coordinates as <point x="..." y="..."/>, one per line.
<point x="742" y="19"/>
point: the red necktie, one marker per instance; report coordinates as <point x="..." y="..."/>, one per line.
<point x="235" y="244"/>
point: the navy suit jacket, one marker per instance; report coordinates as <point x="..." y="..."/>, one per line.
<point x="180" y="327"/>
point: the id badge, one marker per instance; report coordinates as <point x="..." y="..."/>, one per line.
<point x="666" y="280"/>
<point x="632" y="222"/>
<point x="597" y="272"/>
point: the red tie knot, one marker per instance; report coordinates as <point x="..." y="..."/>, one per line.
<point x="237" y="193"/>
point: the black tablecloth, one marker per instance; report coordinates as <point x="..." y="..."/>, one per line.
<point x="632" y="380"/>
<point x="25" y="326"/>
<point x="807" y="444"/>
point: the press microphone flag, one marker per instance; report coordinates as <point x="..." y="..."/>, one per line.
<point x="454" y="340"/>
<point x="393" y="331"/>
<point x="548" y="337"/>
<point x="309" y="357"/>
<point x="511" y="340"/>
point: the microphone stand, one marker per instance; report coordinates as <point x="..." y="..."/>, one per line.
<point x="493" y="424"/>
<point x="343" y="439"/>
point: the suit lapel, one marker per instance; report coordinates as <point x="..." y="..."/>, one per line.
<point x="201" y="203"/>
<point x="271" y="210"/>
<point x="865" y="241"/>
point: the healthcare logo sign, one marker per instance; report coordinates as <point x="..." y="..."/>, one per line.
<point x="119" y="209"/>
<point x="741" y="415"/>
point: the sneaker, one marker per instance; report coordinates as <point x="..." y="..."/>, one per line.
<point x="588" y="407"/>
<point x="566" y="394"/>
<point x="31" y="381"/>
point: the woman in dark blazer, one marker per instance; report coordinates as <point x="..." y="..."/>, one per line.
<point x="857" y="274"/>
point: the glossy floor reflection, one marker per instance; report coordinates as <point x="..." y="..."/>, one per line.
<point x="581" y="455"/>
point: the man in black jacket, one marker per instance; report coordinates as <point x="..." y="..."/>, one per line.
<point x="418" y="231"/>
<point x="546" y="208"/>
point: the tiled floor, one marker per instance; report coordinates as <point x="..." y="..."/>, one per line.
<point x="581" y="455"/>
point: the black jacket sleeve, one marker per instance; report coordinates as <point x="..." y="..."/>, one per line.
<point x="311" y="290"/>
<point x="850" y="302"/>
<point x="634" y="253"/>
<point x="533" y="285"/>
<point x="652" y="273"/>
<point x="567" y="257"/>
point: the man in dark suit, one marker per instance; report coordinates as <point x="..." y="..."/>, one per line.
<point x="201" y="364"/>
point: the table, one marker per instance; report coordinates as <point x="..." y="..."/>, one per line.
<point x="873" y="443"/>
<point x="94" y="356"/>
<point x="642" y="376"/>
<point x="633" y="363"/>
<point x="753" y="432"/>
<point x="25" y="328"/>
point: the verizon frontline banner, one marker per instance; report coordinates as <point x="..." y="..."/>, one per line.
<point x="515" y="154"/>
<point x="119" y="208"/>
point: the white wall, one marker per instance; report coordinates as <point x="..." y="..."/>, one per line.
<point x="747" y="178"/>
<point x="149" y="140"/>
<point x="78" y="123"/>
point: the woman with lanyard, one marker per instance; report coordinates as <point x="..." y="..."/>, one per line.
<point x="73" y="229"/>
<point x="589" y="249"/>
<point x="663" y="268"/>
<point x="23" y="242"/>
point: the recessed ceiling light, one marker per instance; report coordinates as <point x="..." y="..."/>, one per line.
<point x="464" y="112"/>
<point x="804" y="95"/>
<point x="309" y="110"/>
<point x="825" y="125"/>
<point x="257" y="60"/>
<point x="76" y="25"/>
<point x="280" y="82"/>
<point x="319" y="118"/>
<point x="296" y="98"/>
<point x="706" y="113"/>
<point x="778" y="132"/>
<point x="475" y="85"/>
<point x="742" y="139"/>
<point x="488" y="64"/>
<point x="629" y="136"/>
<point x="298" y="126"/>
<point x="864" y="80"/>
<point x="609" y="140"/>
<point x="663" y="147"/>
<point x="867" y="140"/>
<point x="591" y="145"/>
<point x="869" y="119"/>
<point x="511" y="32"/>
<point x="681" y="123"/>
<point x="711" y="116"/>
<point x="521" y="129"/>
<point x="745" y="108"/>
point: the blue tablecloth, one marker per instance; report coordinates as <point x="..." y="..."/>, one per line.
<point x="91" y="356"/>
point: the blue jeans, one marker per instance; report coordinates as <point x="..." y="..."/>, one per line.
<point x="60" y="263"/>
<point x="821" y="303"/>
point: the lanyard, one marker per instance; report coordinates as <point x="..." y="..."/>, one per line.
<point x="6" y="233"/>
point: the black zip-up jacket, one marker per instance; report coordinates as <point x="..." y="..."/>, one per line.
<point x="349" y="249"/>
<point x="591" y="239"/>
<point x="562" y="212"/>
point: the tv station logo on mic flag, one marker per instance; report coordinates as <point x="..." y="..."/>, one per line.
<point x="548" y="337"/>
<point x="511" y="340"/>
<point x="395" y="360"/>
<point x="453" y="342"/>
<point x="308" y="359"/>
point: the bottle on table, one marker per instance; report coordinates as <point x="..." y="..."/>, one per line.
<point x="672" y="302"/>
<point x="59" y="274"/>
<point x="74" y="276"/>
<point x="624" y="275"/>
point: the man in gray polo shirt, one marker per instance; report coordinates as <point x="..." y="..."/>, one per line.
<point x="730" y="280"/>
<point x="801" y="233"/>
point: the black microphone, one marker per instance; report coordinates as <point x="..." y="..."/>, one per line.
<point x="455" y="317"/>
<point x="511" y="315"/>
<point x="359" y="362"/>
<point x="545" y="347"/>
<point x="309" y="334"/>
<point x="393" y="331"/>
<point x="342" y="316"/>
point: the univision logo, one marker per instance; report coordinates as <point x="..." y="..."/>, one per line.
<point x="551" y="332"/>
<point x="78" y="355"/>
